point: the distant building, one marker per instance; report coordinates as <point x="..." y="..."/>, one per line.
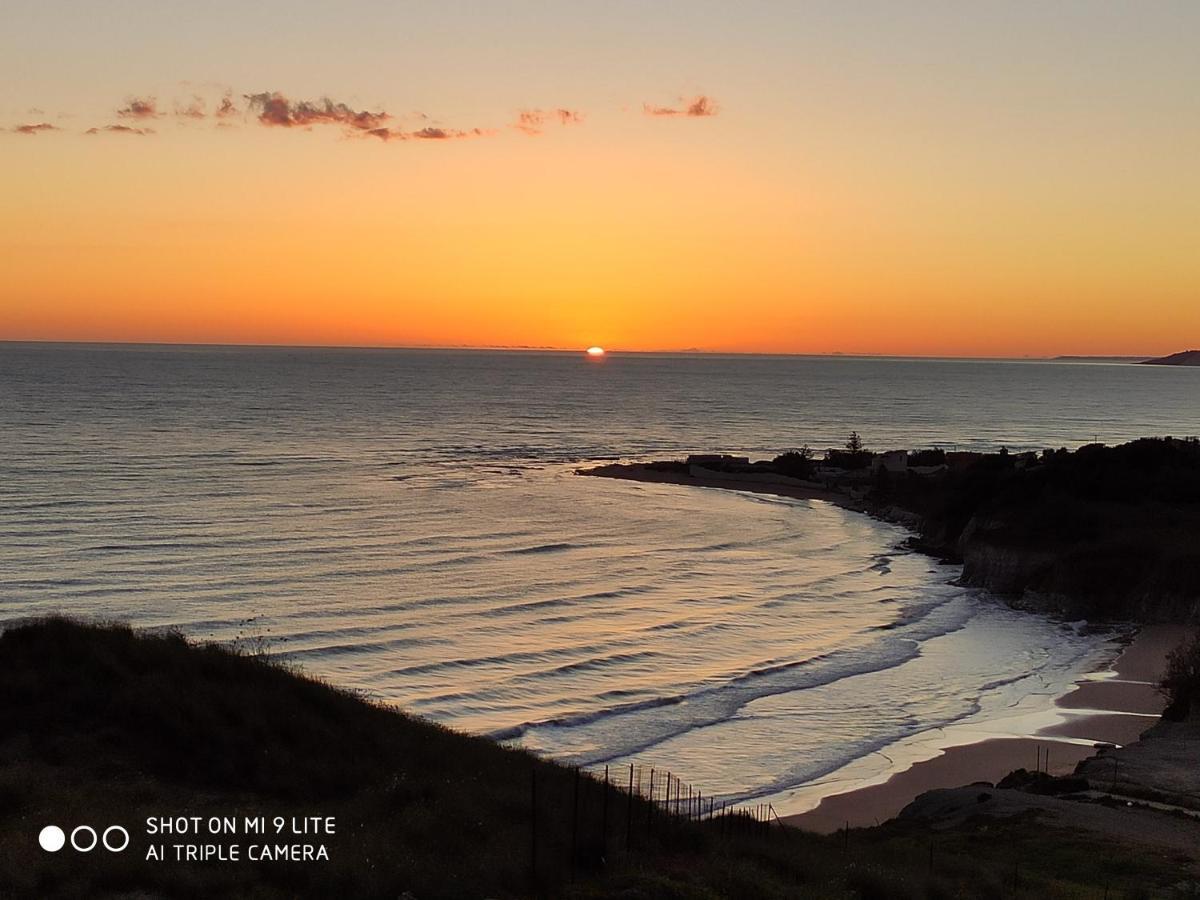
<point x="1026" y="459"/>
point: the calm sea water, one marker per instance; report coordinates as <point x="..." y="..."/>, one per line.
<point x="408" y="523"/>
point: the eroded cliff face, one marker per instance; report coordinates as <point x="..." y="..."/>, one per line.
<point x="1117" y="579"/>
<point x="991" y="562"/>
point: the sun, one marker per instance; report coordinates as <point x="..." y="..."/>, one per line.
<point x="595" y="351"/>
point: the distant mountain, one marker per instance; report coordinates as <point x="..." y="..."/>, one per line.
<point x="1183" y="358"/>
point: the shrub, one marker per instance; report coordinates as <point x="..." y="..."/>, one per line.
<point x="934" y="457"/>
<point x="1181" y="682"/>
<point x="796" y="463"/>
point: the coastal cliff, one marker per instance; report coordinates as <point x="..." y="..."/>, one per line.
<point x="1074" y="584"/>
<point x="1099" y="532"/>
<point x="1103" y="532"/>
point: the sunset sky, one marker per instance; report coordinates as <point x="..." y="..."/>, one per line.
<point x="925" y="178"/>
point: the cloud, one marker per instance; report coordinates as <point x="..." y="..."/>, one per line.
<point x="139" y="108"/>
<point x="276" y="110"/>
<point x="193" y="110"/>
<point x="534" y="121"/>
<point x="273" y="109"/>
<point x="429" y="133"/>
<point x="119" y="129"/>
<point x="449" y="134"/>
<point x="227" y="107"/>
<point x="697" y="107"/>
<point x="35" y="128"/>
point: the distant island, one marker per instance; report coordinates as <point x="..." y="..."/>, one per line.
<point x="1128" y="359"/>
<point x="1182" y="358"/>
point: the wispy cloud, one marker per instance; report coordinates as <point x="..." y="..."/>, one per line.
<point x="35" y="128"/>
<point x="193" y="109"/>
<point x="449" y="134"/>
<point x="273" y="109"/>
<point x="697" y="107"/>
<point x="534" y="121"/>
<point x="428" y="133"/>
<point x="139" y="108"/>
<point x="119" y="129"/>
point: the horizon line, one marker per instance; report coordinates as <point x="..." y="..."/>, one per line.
<point x="533" y="348"/>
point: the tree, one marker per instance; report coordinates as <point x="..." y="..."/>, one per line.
<point x="855" y="444"/>
<point x="796" y="463"/>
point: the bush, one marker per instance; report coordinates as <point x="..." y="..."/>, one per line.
<point x="795" y="463"/>
<point x="1181" y="682"/>
<point x="852" y="460"/>
<point x="934" y="457"/>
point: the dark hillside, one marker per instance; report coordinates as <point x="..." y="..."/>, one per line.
<point x="102" y="726"/>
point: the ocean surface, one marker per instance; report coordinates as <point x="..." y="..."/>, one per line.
<point x="408" y="523"/>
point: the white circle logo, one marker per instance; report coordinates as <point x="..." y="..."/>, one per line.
<point x="52" y="838"/>
<point x="89" y="830"/>
<point x="109" y="830"/>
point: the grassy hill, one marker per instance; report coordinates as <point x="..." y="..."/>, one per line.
<point x="102" y="726"/>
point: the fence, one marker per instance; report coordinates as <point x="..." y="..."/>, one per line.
<point x="622" y="810"/>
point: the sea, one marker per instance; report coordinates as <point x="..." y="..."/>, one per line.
<point x="408" y="524"/>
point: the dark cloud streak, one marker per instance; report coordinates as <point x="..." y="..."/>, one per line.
<point x="119" y="129"/>
<point x="35" y="128"/>
<point x="699" y="107"/>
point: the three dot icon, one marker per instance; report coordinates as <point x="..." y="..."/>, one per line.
<point x="84" y="838"/>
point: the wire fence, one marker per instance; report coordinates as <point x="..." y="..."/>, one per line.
<point x="622" y="810"/>
<point x="581" y="822"/>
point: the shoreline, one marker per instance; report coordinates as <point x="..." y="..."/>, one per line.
<point x="795" y="491"/>
<point x="1113" y="705"/>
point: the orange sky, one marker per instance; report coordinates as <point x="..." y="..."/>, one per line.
<point x="1009" y="184"/>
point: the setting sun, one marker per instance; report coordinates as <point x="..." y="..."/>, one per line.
<point x="595" y="351"/>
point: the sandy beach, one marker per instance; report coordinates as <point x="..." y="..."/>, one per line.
<point x="1114" y="705"/>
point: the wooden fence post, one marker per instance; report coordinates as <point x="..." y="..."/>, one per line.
<point x="575" y="823"/>
<point x="650" y="805"/>
<point x="533" y="825"/>
<point x="629" y="811"/>
<point x="604" y="820"/>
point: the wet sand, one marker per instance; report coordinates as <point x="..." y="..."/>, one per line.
<point x="1113" y="706"/>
